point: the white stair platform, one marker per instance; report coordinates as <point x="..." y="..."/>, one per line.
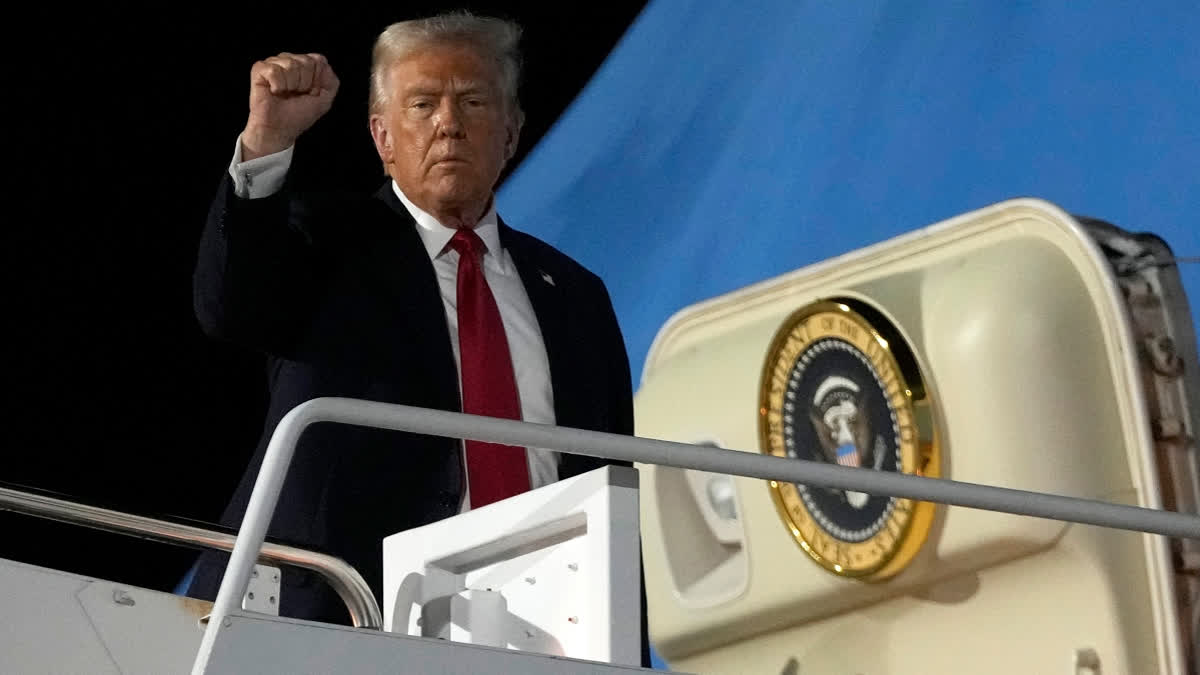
<point x="254" y="643"/>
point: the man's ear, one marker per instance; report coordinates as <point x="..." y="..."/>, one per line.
<point x="513" y="131"/>
<point x="382" y="138"/>
<point x="510" y="146"/>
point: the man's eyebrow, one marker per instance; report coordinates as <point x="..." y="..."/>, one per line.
<point x="421" y="90"/>
<point x="465" y="89"/>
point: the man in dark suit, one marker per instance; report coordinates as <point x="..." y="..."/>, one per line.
<point x="417" y="295"/>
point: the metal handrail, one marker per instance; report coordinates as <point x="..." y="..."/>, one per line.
<point x="344" y="579"/>
<point x="430" y="422"/>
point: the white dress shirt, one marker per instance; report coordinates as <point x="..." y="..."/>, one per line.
<point x="264" y="176"/>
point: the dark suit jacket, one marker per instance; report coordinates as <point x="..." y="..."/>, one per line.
<point x="341" y="296"/>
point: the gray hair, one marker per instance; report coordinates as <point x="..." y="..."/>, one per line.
<point x="496" y="40"/>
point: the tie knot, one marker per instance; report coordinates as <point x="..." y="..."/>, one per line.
<point x="467" y="243"/>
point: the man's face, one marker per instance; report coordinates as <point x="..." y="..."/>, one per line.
<point x="445" y="132"/>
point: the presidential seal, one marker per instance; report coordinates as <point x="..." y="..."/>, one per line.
<point x="840" y="386"/>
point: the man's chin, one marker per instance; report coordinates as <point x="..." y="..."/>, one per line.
<point x="457" y="189"/>
<point x="457" y="198"/>
<point x="461" y="200"/>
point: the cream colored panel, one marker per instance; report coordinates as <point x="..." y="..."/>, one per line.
<point x="1030" y="616"/>
<point x="1021" y="338"/>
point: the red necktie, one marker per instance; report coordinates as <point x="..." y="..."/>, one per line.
<point x="489" y="388"/>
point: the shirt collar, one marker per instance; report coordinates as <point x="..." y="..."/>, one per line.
<point x="435" y="236"/>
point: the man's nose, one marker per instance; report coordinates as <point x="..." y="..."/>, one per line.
<point x="449" y="120"/>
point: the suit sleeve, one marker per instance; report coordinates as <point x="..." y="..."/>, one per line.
<point x="622" y="381"/>
<point x="256" y="271"/>
<point x="620" y="389"/>
<point x="619" y="385"/>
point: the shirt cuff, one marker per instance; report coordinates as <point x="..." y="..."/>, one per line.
<point x="259" y="177"/>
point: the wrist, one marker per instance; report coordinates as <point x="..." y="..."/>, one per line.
<point x="260" y="141"/>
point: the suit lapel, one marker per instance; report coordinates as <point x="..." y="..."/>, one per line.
<point x="395" y="258"/>
<point x="547" y="300"/>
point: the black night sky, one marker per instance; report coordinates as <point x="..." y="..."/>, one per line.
<point x="124" y="121"/>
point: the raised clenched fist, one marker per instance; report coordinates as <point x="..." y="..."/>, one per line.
<point x="288" y="94"/>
